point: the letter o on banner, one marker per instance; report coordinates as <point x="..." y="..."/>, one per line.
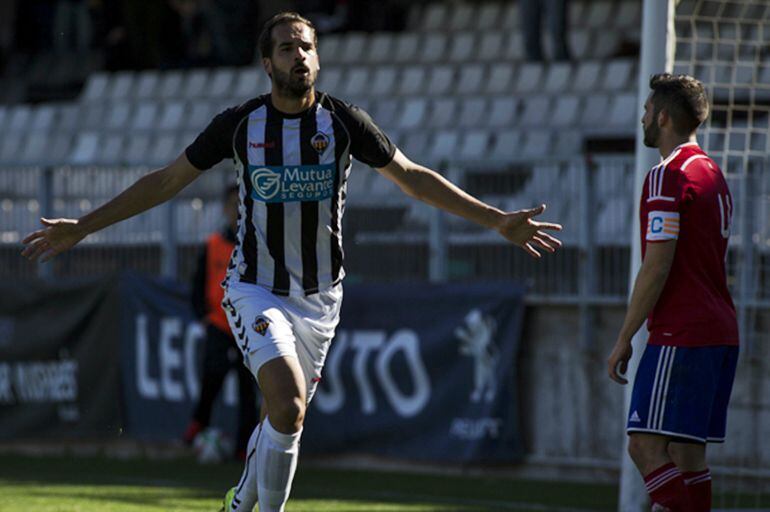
<point x="404" y="340"/>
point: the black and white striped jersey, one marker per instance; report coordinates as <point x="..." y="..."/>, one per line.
<point x="292" y="171"/>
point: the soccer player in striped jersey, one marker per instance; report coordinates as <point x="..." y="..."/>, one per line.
<point x="292" y="151"/>
<point x="685" y="377"/>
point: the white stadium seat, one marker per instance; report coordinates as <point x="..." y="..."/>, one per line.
<point x="510" y="17"/>
<point x="579" y="43"/>
<point x="568" y="143"/>
<point x="145" y="116"/>
<point x="383" y="82"/>
<point x="558" y="78"/>
<point x="356" y="82"/>
<point x="94" y="115"/>
<point x="86" y="147"/>
<point x="491" y="46"/>
<point x="503" y="112"/>
<point x="500" y="78"/>
<point x="147" y="84"/>
<point x="444" y="146"/>
<point x="165" y="148"/>
<point x="471" y="79"/>
<point x="514" y="47"/>
<point x="221" y="82"/>
<point x="137" y="150"/>
<point x="406" y="47"/>
<point x="462" y="47"/>
<point x="441" y="80"/>
<point x="118" y="114"/>
<point x="488" y="17"/>
<point x="506" y="146"/>
<point x="413" y="80"/>
<point x="385" y="111"/>
<point x="110" y="149"/>
<point x="473" y="112"/>
<point x="596" y="108"/>
<point x="565" y="111"/>
<point x="537" y="111"/>
<point x="605" y="45"/>
<point x="352" y="47"/>
<point x="380" y="47"/>
<point x="413" y="113"/>
<point x="44" y="117"/>
<point x="619" y="75"/>
<point x="19" y="118"/>
<point x="443" y="112"/>
<point x="599" y="14"/>
<point x="121" y="85"/>
<point x="415" y="144"/>
<point x="529" y="78"/>
<point x="623" y="111"/>
<point x="463" y="15"/>
<point x="433" y="48"/>
<point x="195" y="84"/>
<point x="96" y="87"/>
<point x="436" y="15"/>
<point x="537" y="144"/>
<point x="329" y="79"/>
<point x="474" y="145"/>
<point x="172" y="116"/>
<point x="329" y="48"/>
<point x="587" y="76"/>
<point x="171" y="84"/>
<point x="201" y="113"/>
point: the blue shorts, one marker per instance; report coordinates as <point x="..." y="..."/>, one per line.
<point x="683" y="392"/>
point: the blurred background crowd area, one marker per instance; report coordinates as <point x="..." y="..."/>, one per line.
<point x="52" y="45"/>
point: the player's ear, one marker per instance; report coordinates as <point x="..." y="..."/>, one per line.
<point x="663" y="118"/>
<point x="268" y="65"/>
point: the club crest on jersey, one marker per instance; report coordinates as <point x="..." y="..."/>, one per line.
<point x="320" y="141"/>
<point x="266" y="182"/>
<point x="260" y="325"/>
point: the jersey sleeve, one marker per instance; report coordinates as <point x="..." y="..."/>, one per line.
<point x="215" y="142"/>
<point x="668" y="194"/>
<point x="368" y="144"/>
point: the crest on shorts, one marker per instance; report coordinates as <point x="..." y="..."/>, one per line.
<point x="260" y="325"/>
<point x="320" y="141"/>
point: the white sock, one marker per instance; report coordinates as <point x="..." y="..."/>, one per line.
<point x="277" y="460"/>
<point x="246" y="492"/>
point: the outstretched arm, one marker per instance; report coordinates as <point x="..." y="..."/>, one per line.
<point x="432" y="188"/>
<point x="647" y="289"/>
<point x="150" y="190"/>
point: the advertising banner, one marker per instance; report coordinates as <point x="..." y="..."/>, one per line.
<point x="422" y="372"/>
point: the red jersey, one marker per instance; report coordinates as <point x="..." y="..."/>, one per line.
<point x="686" y="198"/>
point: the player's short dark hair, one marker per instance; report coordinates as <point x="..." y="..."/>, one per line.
<point x="684" y="97"/>
<point x="282" y="18"/>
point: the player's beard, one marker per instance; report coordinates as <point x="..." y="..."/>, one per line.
<point x="651" y="135"/>
<point x="293" y="85"/>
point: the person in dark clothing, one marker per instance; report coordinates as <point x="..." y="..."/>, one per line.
<point x="554" y="13"/>
<point x="221" y="352"/>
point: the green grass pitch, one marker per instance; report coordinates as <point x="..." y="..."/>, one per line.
<point x="100" y="484"/>
<point x="59" y="484"/>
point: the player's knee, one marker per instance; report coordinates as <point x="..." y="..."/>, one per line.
<point x="287" y="416"/>
<point x="642" y="449"/>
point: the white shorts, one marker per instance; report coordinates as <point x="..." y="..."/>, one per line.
<point x="267" y="326"/>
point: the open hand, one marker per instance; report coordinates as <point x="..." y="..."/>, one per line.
<point x="520" y="228"/>
<point x="57" y="236"/>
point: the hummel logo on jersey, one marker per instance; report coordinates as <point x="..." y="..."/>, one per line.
<point x="635" y="418"/>
<point x="283" y="184"/>
<point x="260" y="325"/>
<point x="320" y="142"/>
<point x="258" y="145"/>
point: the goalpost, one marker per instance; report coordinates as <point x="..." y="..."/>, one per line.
<point x="726" y="45"/>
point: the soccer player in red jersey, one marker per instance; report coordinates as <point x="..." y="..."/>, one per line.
<point x="683" y="383"/>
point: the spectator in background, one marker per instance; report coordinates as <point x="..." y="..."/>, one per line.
<point x="72" y="27"/>
<point x="221" y="352"/>
<point x="555" y="14"/>
<point x="7" y="22"/>
<point x="233" y="24"/>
